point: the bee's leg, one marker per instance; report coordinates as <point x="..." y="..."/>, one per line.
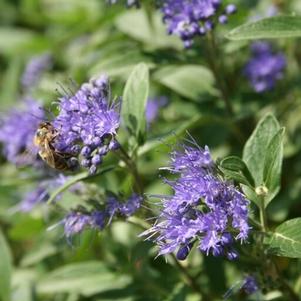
<point x="53" y="137"/>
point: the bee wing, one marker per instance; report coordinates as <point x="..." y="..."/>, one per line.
<point x="48" y="155"/>
<point x="28" y="156"/>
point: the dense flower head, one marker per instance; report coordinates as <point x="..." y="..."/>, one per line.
<point x="204" y="210"/>
<point x="34" y="69"/>
<point x="265" y="67"/>
<point x="78" y="220"/>
<point x="17" y="130"/>
<point x="191" y="18"/>
<point x="153" y="107"/>
<point x="88" y="123"/>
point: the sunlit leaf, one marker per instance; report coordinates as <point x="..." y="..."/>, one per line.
<point x="86" y="278"/>
<point x="286" y="239"/>
<point x="275" y="27"/>
<point x="273" y="166"/>
<point x="191" y="81"/>
<point x="237" y="169"/>
<point x="134" y="100"/>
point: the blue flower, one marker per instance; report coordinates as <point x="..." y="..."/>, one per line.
<point x="132" y="204"/>
<point x="34" y="69"/>
<point x="191" y="18"/>
<point x="78" y="220"/>
<point x="88" y="123"/>
<point x="204" y="209"/>
<point x="250" y="285"/>
<point x="127" y="208"/>
<point x="264" y="68"/>
<point x="17" y="130"/>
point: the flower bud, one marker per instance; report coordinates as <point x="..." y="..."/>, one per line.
<point x="184" y="251"/>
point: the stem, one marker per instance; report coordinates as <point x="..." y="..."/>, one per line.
<point x="133" y="168"/>
<point x="213" y="55"/>
<point x="263" y="217"/>
<point x="255" y="223"/>
<point x="134" y="220"/>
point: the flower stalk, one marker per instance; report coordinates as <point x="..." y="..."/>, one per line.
<point x="132" y="167"/>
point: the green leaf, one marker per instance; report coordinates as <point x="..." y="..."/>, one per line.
<point x="286" y="240"/>
<point x="152" y="32"/>
<point x="86" y="278"/>
<point x="113" y="61"/>
<point x="26" y="227"/>
<point x="256" y="147"/>
<point x="275" y="27"/>
<point x="38" y="254"/>
<point x="16" y="41"/>
<point x="190" y="81"/>
<point x="5" y="269"/>
<point x="255" y="152"/>
<point x="12" y="38"/>
<point x="273" y="166"/>
<point x="22" y="284"/>
<point x="237" y="169"/>
<point x="134" y="101"/>
<point x="236" y="176"/>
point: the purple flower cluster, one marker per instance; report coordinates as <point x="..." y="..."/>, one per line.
<point x="204" y="209"/>
<point x="76" y="221"/>
<point x="17" y="131"/>
<point x="152" y="108"/>
<point x="88" y="123"/>
<point x="190" y="18"/>
<point x="34" y="68"/>
<point x="265" y="68"/>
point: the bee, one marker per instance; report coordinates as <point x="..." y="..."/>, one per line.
<point x="44" y="139"/>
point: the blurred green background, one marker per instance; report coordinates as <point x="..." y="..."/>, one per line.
<point x="87" y="38"/>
